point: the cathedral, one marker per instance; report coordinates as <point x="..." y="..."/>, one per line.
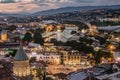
<point x="21" y="67"/>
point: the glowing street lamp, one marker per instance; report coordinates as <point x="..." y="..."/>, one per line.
<point x="111" y="47"/>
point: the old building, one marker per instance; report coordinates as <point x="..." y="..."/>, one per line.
<point x="71" y="58"/>
<point x="21" y="67"/>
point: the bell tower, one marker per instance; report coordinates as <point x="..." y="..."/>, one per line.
<point x="21" y="67"/>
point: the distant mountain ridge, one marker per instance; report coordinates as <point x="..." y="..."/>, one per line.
<point x="65" y="9"/>
<point x="13" y="14"/>
<point x="5" y="14"/>
<point x="70" y="9"/>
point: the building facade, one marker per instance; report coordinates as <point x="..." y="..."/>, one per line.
<point x="71" y="58"/>
<point x="21" y="67"/>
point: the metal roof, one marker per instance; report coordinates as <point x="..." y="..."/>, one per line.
<point x="110" y="28"/>
<point x="20" y="55"/>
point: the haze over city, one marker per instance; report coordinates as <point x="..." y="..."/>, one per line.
<point x="30" y="6"/>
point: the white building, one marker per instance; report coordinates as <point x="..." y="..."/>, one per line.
<point x="47" y="57"/>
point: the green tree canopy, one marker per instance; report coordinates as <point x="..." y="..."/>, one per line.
<point x="11" y="52"/>
<point x="28" y="37"/>
<point x="38" y="38"/>
<point x="102" y="40"/>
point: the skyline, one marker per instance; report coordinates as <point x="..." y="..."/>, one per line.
<point x="31" y="6"/>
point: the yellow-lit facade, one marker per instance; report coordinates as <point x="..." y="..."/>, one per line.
<point x="92" y="30"/>
<point x="111" y="47"/>
<point x="21" y="68"/>
<point x="4" y="37"/>
<point x="71" y="58"/>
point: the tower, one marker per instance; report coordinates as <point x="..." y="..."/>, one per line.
<point x="21" y="67"/>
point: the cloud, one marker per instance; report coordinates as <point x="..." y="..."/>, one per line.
<point x="27" y="1"/>
<point x="15" y="6"/>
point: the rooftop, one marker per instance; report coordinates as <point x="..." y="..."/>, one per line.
<point x="100" y="72"/>
<point x="111" y="28"/>
<point x="20" y="55"/>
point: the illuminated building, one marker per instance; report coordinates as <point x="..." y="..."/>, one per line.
<point x="3" y="52"/>
<point x="34" y="47"/>
<point x="49" y="28"/>
<point x="71" y="27"/>
<point x="21" y="67"/>
<point x="48" y="44"/>
<point x="92" y="30"/>
<point x="111" y="47"/>
<point x="4" y="35"/>
<point x="58" y="35"/>
<point x="47" y="57"/>
<point x="71" y="58"/>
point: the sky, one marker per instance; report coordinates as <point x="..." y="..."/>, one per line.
<point x="30" y="6"/>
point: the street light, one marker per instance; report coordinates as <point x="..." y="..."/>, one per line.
<point x="111" y="47"/>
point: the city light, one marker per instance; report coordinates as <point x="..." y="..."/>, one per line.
<point x="60" y="43"/>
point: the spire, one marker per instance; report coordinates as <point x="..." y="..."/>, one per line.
<point x="20" y="55"/>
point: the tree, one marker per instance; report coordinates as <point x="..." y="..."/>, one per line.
<point x="62" y="28"/>
<point x="59" y="43"/>
<point x="49" y="78"/>
<point x="98" y="55"/>
<point x="102" y="54"/>
<point x="28" y="37"/>
<point x="11" y="52"/>
<point x="32" y="30"/>
<point x="53" y="40"/>
<point x="38" y="38"/>
<point x="102" y="40"/>
<point x="80" y="46"/>
<point x="73" y="44"/>
<point x="12" y="27"/>
<point x="33" y="59"/>
<point x="16" y="39"/>
<point x="89" y="49"/>
<point x="85" y="40"/>
<point x="7" y="55"/>
<point x="40" y="30"/>
<point x="73" y="32"/>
